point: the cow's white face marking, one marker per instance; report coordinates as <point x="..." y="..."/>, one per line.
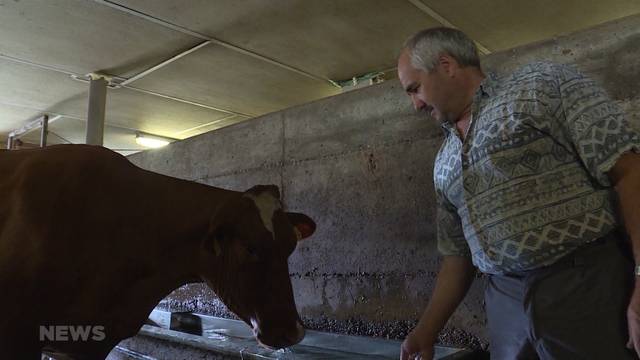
<point x="267" y="205"/>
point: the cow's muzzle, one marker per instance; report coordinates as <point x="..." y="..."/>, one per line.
<point x="278" y="339"/>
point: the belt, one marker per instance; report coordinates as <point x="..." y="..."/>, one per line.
<point x="583" y="255"/>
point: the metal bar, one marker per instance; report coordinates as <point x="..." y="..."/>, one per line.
<point x="153" y="93"/>
<point x="163" y="64"/>
<point x="205" y="125"/>
<point x="187" y="101"/>
<point x="44" y="131"/>
<point x="40" y="66"/>
<point x="10" y="143"/>
<point x="78" y="77"/>
<point x="429" y="11"/>
<point x="59" y="116"/>
<point x="46" y="67"/>
<point x="97" y="105"/>
<point x="55" y="118"/>
<point x="224" y="44"/>
<point x="60" y="137"/>
<point x="23" y="106"/>
<point x="25" y="129"/>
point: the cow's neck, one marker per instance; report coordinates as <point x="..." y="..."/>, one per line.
<point x="185" y="212"/>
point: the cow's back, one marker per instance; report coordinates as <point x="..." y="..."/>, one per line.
<point x="40" y="187"/>
<point x="51" y="205"/>
<point x="86" y="236"/>
<point x="48" y="188"/>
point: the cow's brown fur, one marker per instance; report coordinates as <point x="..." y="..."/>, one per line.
<point x="87" y="238"/>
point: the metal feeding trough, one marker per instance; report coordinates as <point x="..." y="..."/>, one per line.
<point x="187" y="335"/>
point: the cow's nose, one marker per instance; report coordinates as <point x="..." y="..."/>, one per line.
<point x="298" y="335"/>
<point x="255" y="327"/>
<point x="282" y="340"/>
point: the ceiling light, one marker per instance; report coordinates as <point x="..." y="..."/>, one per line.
<point x="151" y="141"/>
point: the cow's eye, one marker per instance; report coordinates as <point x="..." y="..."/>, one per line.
<point x="252" y="251"/>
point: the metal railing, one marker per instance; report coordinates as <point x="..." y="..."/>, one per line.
<point x="42" y="123"/>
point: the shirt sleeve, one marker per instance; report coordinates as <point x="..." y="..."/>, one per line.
<point x="451" y="240"/>
<point x="592" y="123"/>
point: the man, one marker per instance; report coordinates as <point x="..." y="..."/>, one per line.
<point x="527" y="184"/>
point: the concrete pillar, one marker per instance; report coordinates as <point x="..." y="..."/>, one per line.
<point x="96" y="113"/>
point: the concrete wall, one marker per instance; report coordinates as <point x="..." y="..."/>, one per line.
<point x="360" y="164"/>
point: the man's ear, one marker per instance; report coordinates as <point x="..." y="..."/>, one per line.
<point x="302" y="224"/>
<point x="447" y="63"/>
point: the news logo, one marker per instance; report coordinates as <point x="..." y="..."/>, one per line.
<point x="62" y="333"/>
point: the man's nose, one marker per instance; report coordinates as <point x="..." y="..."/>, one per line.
<point x="417" y="103"/>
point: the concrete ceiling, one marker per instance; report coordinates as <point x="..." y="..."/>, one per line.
<point x="258" y="56"/>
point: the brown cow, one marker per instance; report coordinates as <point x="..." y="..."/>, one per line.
<point x="90" y="241"/>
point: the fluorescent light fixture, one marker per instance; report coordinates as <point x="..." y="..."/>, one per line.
<point x="151" y="141"/>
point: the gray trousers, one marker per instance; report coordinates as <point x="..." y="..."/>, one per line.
<point x="573" y="309"/>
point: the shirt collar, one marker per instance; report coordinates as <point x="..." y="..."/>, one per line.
<point x="488" y="85"/>
<point x="487" y="88"/>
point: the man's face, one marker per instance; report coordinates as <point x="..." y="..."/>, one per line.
<point x="428" y="90"/>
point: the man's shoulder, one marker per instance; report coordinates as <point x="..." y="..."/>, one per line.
<point x="445" y="149"/>
<point x="447" y="155"/>
<point x="545" y="69"/>
<point x="539" y="74"/>
<point x="444" y="165"/>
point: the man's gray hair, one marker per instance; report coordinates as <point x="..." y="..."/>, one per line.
<point x="427" y="45"/>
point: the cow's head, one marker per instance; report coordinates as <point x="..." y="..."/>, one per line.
<point x="245" y="262"/>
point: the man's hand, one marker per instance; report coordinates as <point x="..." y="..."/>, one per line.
<point x="633" y="320"/>
<point x="416" y="346"/>
<point x="454" y="279"/>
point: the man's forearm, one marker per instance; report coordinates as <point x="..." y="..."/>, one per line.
<point x="626" y="175"/>
<point x="454" y="279"/>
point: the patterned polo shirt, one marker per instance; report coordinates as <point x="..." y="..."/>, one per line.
<point x="529" y="183"/>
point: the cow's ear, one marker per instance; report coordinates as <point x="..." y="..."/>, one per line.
<point x="302" y="224"/>
<point x="259" y="189"/>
